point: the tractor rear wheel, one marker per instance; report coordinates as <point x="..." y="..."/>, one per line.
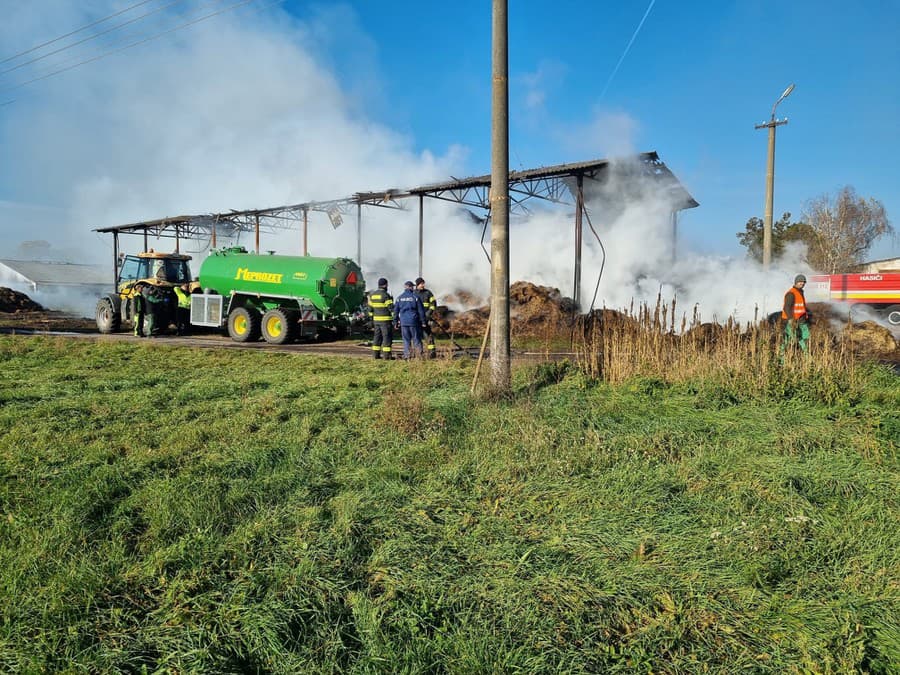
<point x="108" y="318"/>
<point x="244" y="324"/>
<point x="279" y="326"/>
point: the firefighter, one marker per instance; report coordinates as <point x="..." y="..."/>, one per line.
<point x="139" y="306"/>
<point x="156" y="302"/>
<point x="409" y="317"/>
<point x="796" y="316"/>
<point x="430" y="304"/>
<point x="381" y="309"/>
<point x="183" y="312"/>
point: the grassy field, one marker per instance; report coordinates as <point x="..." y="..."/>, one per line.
<point x="166" y="509"/>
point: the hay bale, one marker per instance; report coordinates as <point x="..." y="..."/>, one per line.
<point x="869" y="338"/>
<point x="607" y="319"/>
<point x="705" y="334"/>
<point x="535" y="311"/>
<point x="12" y="301"/>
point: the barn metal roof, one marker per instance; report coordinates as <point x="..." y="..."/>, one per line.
<point x="57" y="273"/>
<point x="550" y="183"/>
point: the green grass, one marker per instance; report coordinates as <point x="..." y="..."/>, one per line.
<point x="168" y="510"/>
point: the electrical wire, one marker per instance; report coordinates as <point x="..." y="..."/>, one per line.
<point x="90" y="37"/>
<point x="124" y="41"/>
<point x="602" y="262"/>
<point x="487" y="219"/>
<point x="77" y="30"/>
<point x="129" y="46"/>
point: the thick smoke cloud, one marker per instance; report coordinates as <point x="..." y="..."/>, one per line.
<point x="247" y="110"/>
<point x="241" y="111"/>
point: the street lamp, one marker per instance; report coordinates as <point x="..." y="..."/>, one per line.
<point x="770" y="177"/>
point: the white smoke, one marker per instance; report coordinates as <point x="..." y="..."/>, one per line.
<point x="241" y="111"/>
<point x="247" y="111"/>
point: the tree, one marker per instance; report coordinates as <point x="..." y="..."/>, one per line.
<point x="842" y="228"/>
<point x="783" y="231"/>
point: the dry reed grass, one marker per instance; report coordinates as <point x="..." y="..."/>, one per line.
<point x="650" y="342"/>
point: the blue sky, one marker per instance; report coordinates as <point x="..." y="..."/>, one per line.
<point x="695" y="81"/>
<point x="398" y="93"/>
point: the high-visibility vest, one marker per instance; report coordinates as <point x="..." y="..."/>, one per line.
<point x="799" y="304"/>
<point x="184" y="300"/>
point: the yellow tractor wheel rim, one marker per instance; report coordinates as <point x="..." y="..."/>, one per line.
<point x="273" y="326"/>
<point x="240" y="325"/>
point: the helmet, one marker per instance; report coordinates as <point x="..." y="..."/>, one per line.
<point x="382" y="283"/>
<point x="409" y="284"/>
<point x="419" y="280"/>
<point x="799" y="278"/>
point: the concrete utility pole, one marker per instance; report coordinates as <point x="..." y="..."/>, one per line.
<point x="770" y="179"/>
<point x="499" y="199"/>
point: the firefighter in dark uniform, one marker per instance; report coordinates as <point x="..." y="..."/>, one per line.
<point x="409" y="317"/>
<point x="156" y="310"/>
<point x="139" y="306"/>
<point x="381" y="310"/>
<point x="430" y="304"/>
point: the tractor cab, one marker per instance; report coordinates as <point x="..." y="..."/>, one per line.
<point x="155" y="269"/>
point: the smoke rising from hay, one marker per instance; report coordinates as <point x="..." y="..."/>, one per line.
<point x="248" y="111"/>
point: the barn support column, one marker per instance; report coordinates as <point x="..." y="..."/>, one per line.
<point x="359" y="234"/>
<point x="257" y="234"/>
<point x="421" y="230"/>
<point x="305" y="229"/>
<point x="579" y="208"/>
<point x="674" y="235"/>
<point x="177" y="239"/>
<point x="115" y="256"/>
<point x="145" y="240"/>
<point x="213" y="237"/>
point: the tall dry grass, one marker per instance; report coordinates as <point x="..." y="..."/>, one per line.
<point x="646" y="341"/>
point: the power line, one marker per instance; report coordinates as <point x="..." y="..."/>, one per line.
<point x="77" y="30"/>
<point x="129" y="46"/>
<point x="121" y="41"/>
<point x="91" y="37"/>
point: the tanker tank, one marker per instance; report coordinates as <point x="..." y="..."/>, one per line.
<point x="333" y="286"/>
<point x="277" y="297"/>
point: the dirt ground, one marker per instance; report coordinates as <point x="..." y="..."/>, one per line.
<point x="18" y="311"/>
<point x="537" y="312"/>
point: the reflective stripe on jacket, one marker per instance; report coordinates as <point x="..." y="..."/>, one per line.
<point x="428" y="301"/>
<point x="381" y="305"/>
<point x="794" y="304"/>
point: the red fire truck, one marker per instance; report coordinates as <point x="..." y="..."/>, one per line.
<point x="880" y="291"/>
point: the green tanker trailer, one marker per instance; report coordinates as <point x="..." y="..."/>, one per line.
<point x="277" y="296"/>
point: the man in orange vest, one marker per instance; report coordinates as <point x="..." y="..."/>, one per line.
<point x="795" y="315"/>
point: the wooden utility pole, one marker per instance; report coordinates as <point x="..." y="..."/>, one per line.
<point x="770" y="179"/>
<point x="499" y="200"/>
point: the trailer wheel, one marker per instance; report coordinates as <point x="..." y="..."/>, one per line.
<point x="892" y="314"/>
<point x="244" y="324"/>
<point x="108" y="319"/>
<point x="279" y="326"/>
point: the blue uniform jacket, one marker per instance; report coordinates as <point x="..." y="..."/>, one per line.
<point x="408" y="309"/>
